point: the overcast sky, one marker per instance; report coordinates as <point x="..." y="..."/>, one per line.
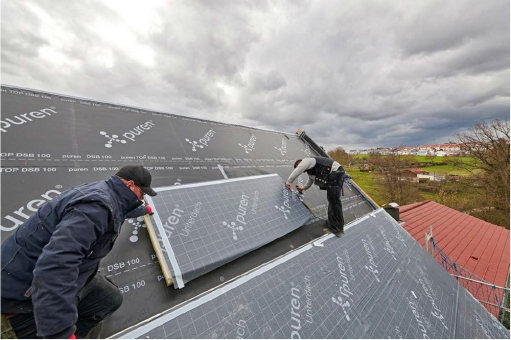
<point x="350" y="73"/>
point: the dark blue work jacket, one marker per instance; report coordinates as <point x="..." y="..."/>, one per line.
<point x="57" y="251"/>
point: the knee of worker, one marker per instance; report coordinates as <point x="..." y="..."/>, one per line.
<point x="115" y="300"/>
<point x="111" y="298"/>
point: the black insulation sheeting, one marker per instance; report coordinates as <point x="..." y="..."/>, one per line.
<point x="51" y="143"/>
<point x="373" y="282"/>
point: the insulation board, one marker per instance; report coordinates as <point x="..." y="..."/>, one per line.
<point x="202" y="226"/>
<point x="373" y="282"/>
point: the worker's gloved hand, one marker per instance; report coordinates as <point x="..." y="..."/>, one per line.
<point x="149" y="209"/>
<point x="299" y="187"/>
<point x="72" y="336"/>
<point x="289" y="187"/>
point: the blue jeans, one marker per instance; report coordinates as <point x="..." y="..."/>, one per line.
<point x="96" y="301"/>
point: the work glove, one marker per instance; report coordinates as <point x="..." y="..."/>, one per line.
<point x="289" y="187"/>
<point x="299" y="187"/>
<point x="72" y="336"/>
<point x="149" y="209"/>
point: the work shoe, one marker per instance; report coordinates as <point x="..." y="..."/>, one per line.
<point x="339" y="232"/>
<point x="333" y="231"/>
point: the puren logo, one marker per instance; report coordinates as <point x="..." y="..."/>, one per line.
<point x="203" y="141"/>
<point x="136" y="223"/>
<point x="114" y="138"/>
<point x="285" y="207"/>
<point x="233" y="228"/>
<point x="170" y="224"/>
<point x="251" y="144"/>
<point x="284" y="210"/>
<point x="131" y="134"/>
<point x="32" y="206"/>
<point x="240" y="216"/>
<point x="195" y="145"/>
<point x="307" y="150"/>
<point x="23" y="118"/>
<point x="283" y="147"/>
<point x="344" y="297"/>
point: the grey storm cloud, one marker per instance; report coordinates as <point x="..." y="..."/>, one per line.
<point x="350" y="73"/>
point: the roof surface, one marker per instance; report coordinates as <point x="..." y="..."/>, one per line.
<point x="480" y="247"/>
<point x="418" y="171"/>
<point x="374" y="282"/>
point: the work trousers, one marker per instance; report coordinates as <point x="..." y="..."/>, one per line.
<point x="97" y="300"/>
<point x="333" y="195"/>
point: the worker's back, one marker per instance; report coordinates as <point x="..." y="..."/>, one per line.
<point x="100" y="203"/>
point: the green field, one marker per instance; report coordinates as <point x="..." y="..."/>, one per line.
<point x="446" y="166"/>
<point x="367" y="181"/>
<point x="428" y="159"/>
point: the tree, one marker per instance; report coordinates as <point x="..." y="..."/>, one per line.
<point x="395" y="188"/>
<point x="488" y="144"/>
<point x="341" y="156"/>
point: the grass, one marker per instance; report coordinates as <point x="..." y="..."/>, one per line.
<point x="367" y="181"/>
<point x="441" y="165"/>
<point x="429" y="159"/>
<point x="447" y="169"/>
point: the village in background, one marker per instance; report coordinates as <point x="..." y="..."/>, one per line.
<point x="440" y="150"/>
<point x="470" y="175"/>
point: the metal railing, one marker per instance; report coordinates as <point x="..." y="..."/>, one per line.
<point x="494" y="298"/>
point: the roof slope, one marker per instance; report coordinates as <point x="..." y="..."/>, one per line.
<point x="480" y="247"/>
<point x="374" y="282"/>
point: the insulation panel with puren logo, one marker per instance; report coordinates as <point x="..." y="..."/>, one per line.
<point x="200" y="227"/>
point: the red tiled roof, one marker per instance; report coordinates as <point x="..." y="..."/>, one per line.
<point x="418" y="171"/>
<point x="480" y="247"/>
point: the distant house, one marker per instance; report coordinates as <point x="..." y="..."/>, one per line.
<point x="431" y="177"/>
<point x="455" y="178"/>
<point x="418" y="171"/>
<point x="408" y="175"/>
<point x="440" y="153"/>
<point x="422" y="152"/>
<point x="480" y="247"/>
<point x="365" y="167"/>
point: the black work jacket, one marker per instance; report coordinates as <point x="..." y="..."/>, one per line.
<point x="57" y="251"/>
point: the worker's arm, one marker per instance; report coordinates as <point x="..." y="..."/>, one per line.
<point x="56" y="271"/>
<point x="305" y="164"/>
<point x="141" y="210"/>
<point x="309" y="183"/>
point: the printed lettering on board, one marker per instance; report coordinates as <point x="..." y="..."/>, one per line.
<point x="7" y="123"/>
<point x="176" y="223"/>
<point x="247" y="205"/>
<point x="285" y="207"/>
<point x="301" y="307"/>
<point x="128" y="135"/>
<point x="203" y="141"/>
<point x="283" y="147"/>
<point x="23" y="213"/>
<point x="250" y="146"/>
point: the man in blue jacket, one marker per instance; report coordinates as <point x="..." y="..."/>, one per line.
<point x="49" y="284"/>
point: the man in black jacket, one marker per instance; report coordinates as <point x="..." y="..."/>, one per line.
<point x="328" y="175"/>
<point x="49" y="284"/>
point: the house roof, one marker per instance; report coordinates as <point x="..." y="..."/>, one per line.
<point x="480" y="247"/>
<point x="418" y="171"/>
